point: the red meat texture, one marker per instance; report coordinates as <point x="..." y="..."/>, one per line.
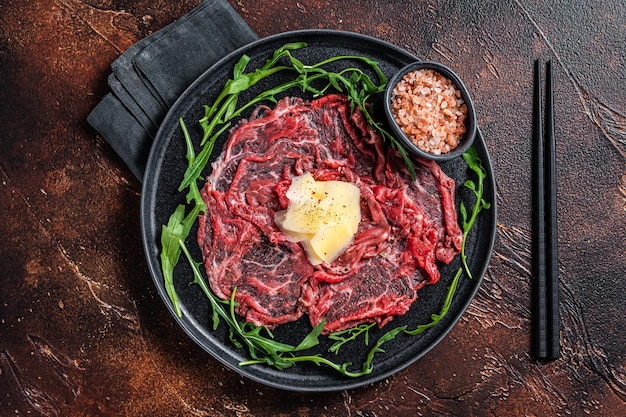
<point x="406" y="226"/>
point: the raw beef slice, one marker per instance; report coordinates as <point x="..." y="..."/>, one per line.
<point x="406" y="226"/>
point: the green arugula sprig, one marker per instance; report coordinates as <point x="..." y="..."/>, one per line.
<point x="315" y="80"/>
<point x="344" y="336"/>
<point x="178" y="227"/>
<point x="175" y="231"/>
<point x="477" y="187"/>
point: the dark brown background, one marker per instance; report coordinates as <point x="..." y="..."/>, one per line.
<point x="82" y="330"/>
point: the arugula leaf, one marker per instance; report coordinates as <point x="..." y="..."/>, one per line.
<point x="312" y="339"/>
<point x="352" y="333"/>
<point x="172" y="234"/>
<point x="436" y="318"/>
<point x="391" y="334"/>
<point x="475" y="164"/>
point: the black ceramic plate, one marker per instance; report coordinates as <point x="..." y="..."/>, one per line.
<point x="160" y="197"/>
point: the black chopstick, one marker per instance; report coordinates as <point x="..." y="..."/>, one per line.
<point x="540" y="318"/>
<point x="552" y="265"/>
<point x="546" y="318"/>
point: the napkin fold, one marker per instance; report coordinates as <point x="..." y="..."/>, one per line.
<point x="149" y="76"/>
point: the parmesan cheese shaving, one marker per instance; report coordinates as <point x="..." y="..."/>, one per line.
<point x="323" y="215"/>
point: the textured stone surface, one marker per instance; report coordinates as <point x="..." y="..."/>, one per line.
<point x="82" y="330"/>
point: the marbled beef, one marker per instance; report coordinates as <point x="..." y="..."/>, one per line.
<point x="406" y="226"/>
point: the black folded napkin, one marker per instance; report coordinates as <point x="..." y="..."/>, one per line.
<point x="149" y="76"/>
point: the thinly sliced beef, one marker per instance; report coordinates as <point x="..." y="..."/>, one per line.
<point x="406" y="226"/>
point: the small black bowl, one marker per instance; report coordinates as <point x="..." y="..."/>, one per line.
<point x="470" y="120"/>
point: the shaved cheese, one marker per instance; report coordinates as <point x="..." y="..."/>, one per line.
<point x="345" y="203"/>
<point x="331" y="240"/>
<point x="323" y="215"/>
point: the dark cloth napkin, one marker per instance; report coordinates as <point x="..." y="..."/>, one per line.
<point x="150" y="75"/>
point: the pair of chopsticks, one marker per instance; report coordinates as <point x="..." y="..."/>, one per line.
<point x="546" y="328"/>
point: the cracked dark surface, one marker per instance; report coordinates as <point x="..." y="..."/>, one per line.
<point x="82" y="330"/>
